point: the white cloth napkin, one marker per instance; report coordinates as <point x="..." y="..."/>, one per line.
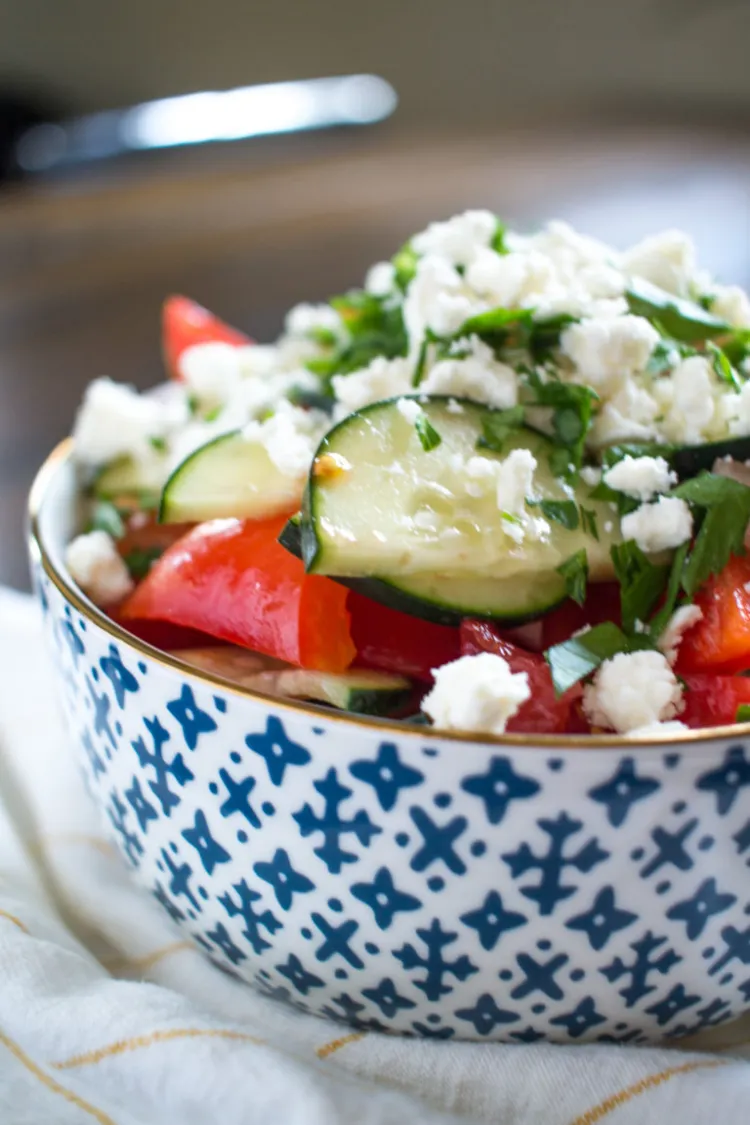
<point x="107" y="1015"/>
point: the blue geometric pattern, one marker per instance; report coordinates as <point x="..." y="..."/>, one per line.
<point x="393" y="882"/>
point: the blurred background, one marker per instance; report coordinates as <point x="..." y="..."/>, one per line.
<point x="623" y="118"/>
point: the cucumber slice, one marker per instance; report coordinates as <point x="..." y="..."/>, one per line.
<point x="367" y="693"/>
<point x="126" y="477"/>
<point x="229" y="476"/>
<point x="378" y="504"/>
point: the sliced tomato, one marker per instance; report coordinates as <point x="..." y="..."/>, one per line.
<point x="602" y="604"/>
<point x="395" y="642"/>
<point x="721" y="639"/>
<point x="185" y="323"/>
<point x="543" y="713"/>
<point x="712" y="701"/>
<point x="163" y="635"/>
<point x="232" y="579"/>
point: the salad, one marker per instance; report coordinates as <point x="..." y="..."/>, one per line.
<point x="504" y="486"/>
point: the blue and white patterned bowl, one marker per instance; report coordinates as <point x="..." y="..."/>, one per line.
<point x="512" y="888"/>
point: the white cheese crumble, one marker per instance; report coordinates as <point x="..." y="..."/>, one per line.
<point x="381" y="379"/>
<point x="666" y="259"/>
<point x="212" y="371"/>
<point x="115" y="421"/>
<point x="305" y="319"/>
<point x="478" y="376"/>
<point x="410" y="409"/>
<point x="692" y="408"/>
<point x="457" y="239"/>
<point x="660" y="526"/>
<point x="681" y="620"/>
<point x="732" y="304"/>
<point x="591" y="475"/>
<point x="640" y="477"/>
<point x="95" y="565"/>
<point x="380" y="279"/>
<point x="631" y="691"/>
<point x="476" y="694"/>
<point x="290" y="437"/>
<point x="436" y="299"/>
<point x="606" y="350"/>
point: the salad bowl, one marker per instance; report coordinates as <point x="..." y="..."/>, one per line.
<point x="512" y="888"/>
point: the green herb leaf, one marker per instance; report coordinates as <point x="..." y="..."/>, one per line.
<point x="498" y="239"/>
<point x="663" y="358"/>
<point x="374" y="328"/>
<point x="405" y="265"/>
<point x="311" y="400"/>
<point x="158" y="443"/>
<point x="572" y="409"/>
<point x="193" y="404"/>
<point x="722" y="367"/>
<point x="641" y="583"/>
<point x="564" y="512"/>
<point x="660" y="620"/>
<point x="575" y="571"/>
<point x="140" y="560"/>
<point x="212" y="414"/>
<point x="495" y="322"/>
<point x="743" y="713"/>
<point x="623" y="503"/>
<point x="544" y="335"/>
<point x="588" y="522"/>
<point x="682" y="320"/>
<point x="106" y="517"/>
<point x="726" y="505"/>
<point x="498" y="425"/>
<point x="426" y="432"/>
<point x="577" y="658"/>
<point x="430" y="337"/>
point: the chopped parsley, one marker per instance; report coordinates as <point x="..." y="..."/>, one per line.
<point x="575" y="571"/>
<point x="140" y="560"/>
<point x="681" y="320"/>
<point x="577" y="658"/>
<point x="429" y="437"/>
<point x="641" y="583"/>
<point x="497" y="427"/>
<point x="572" y="408"/>
<point x="564" y="512"/>
<point x="106" y="517"/>
<point x="724" y="507"/>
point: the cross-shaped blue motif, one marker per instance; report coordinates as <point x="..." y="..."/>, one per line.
<point x="253" y="920"/>
<point x="210" y="852"/>
<point x="550" y="890"/>
<point x="142" y="807"/>
<point x="438" y="841"/>
<point x="301" y="979"/>
<point x="696" y="911"/>
<point x="491" y="920"/>
<point x="171" y="908"/>
<point x="96" y="763"/>
<point x="237" y="800"/>
<point x="188" y="714"/>
<point x="121" y="678"/>
<point x="498" y="787"/>
<point x="387" y="998"/>
<point x="677" y="1000"/>
<point x="102" y="704"/>
<point x="624" y="789"/>
<point x="670" y="849"/>
<point x="179" y="879"/>
<point x="742" y="838"/>
<point x="726" y="781"/>
<point x="603" y="919"/>
<point x="436" y="966"/>
<point x="384" y="898"/>
<point x="539" y="976"/>
<point x="641" y="967"/>
<point x="220" y="936"/>
<point x="163" y="769"/>
<point x="286" y="882"/>
<point x="485" y="1016"/>
<point x="737" y="949"/>
<point x="129" y="842"/>
<point x="582" y="1019"/>
<point x="336" y="941"/>
<point x="277" y="749"/>
<point x="387" y="775"/>
<point x="332" y="825"/>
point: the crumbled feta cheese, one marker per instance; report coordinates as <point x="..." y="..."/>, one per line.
<point x="290" y="437"/>
<point x="95" y="565"/>
<point x="381" y="379"/>
<point x="212" y="371"/>
<point x="633" y="690"/>
<point x="666" y="260"/>
<point x="660" y="526"/>
<point x="437" y="299"/>
<point x="381" y="279"/>
<point x="115" y="421"/>
<point x="305" y="319"/>
<point x="732" y="304"/>
<point x="410" y="409"/>
<point x="591" y="475"/>
<point x="736" y="409"/>
<point x="476" y="694"/>
<point x="454" y="407"/>
<point x="604" y="350"/>
<point x="457" y="239"/>
<point x="500" y="277"/>
<point x="515" y="481"/>
<point x="681" y="620"/>
<point x="640" y="477"/>
<point x="478" y="376"/>
<point x="671" y="727"/>
<point x="629" y="415"/>
<point x="692" y="409"/>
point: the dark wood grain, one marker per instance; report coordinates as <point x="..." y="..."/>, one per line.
<point x="83" y="270"/>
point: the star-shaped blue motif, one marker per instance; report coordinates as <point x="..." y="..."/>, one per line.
<point x="297" y="974"/>
<point x="582" y="1019"/>
<point x="437" y="841"/>
<point x="277" y="749"/>
<point x="624" y="789"/>
<point x="696" y="911"/>
<point x="384" y="898"/>
<point x="603" y="919"/>
<point x="742" y="838"/>
<point x="387" y="998"/>
<point x="188" y="714"/>
<point x="286" y="882"/>
<point x="486" y="1016"/>
<point x="121" y="678"/>
<point x="498" y="787"/>
<point x="491" y="920"/>
<point x="210" y="852"/>
<point x="220" y="936"/>
<point x="676" y="1001"/>
<point x="726" y="781"/>
<point x="140" y="805"/>
<point x="387" y="775"/>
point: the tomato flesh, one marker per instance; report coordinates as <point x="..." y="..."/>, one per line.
<point x="720" y="641"/>
<point x="390" y="641"/>
<point x="712" y="701"/>
<point x="232" y="579"/>
<point x="186" y="323"/>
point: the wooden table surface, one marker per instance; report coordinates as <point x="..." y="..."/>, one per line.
<point x="84" y="266"/>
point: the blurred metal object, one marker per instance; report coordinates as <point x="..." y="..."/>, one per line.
<point x="200" y="118"/>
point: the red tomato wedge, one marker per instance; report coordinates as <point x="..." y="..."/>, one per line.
<point x="721" y="640"/>
<point x="543" y="713"/>
<point x="232" y="579"/>
<point x="390" y="641"/>
<point x="712" y="701"/>
<point x="185" y="323"/>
